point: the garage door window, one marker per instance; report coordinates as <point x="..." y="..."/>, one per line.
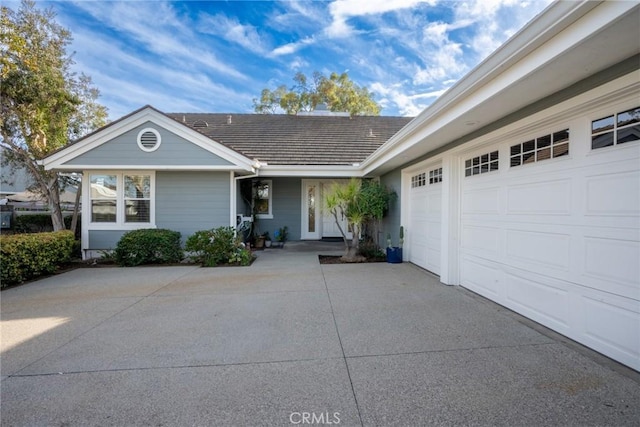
<point x="541" y="148"/>
<point x="419" y="180"/>
<point x="481" y="164"/>
<point x="616" y="129"/>
<point x="435" y="176"/>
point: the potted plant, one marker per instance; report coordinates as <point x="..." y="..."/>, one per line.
<point x="267" y="239"/>
<point x="281" y="235"/>
<point x="394" y="253"/>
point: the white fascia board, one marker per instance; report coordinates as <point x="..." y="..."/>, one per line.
<point x="539" y="43"/>
<point x="311" y="171"/>
<point x="154" y="167"/>
<point x="57" y="160"/>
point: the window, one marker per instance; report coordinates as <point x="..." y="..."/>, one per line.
<point x="104" y="191"/>
<point x="121" y="198"/>
<point x="616" y="129"/>
<point x="481" y="164"/>
<point x="263" y="196"/>
<point x="541" y="148"/>
<point x="435" y="176"/>
<point x="137" y="198"/>
<point x="419" y="180"/>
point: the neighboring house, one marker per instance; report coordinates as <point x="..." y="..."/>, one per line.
<point x="521" y="183"/>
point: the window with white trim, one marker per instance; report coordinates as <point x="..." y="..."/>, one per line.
<point x="616" y="129"/>
<point x="541" y="148"/>
<point x="435" y="176"/>
<point x="121" y="198"/>
<point x="419" y="180"/>
<point x="263" y="199"/>
<point x="481" y="164"/>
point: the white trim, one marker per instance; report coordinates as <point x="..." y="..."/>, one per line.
<point x="57" y="160"/>
<point x="158" y="140"/>
<point x="222" y="168"/>
<point x="233" y="199"/>
<point x="311" y="171"/>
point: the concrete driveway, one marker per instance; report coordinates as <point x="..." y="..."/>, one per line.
<point x="290" y="342"/>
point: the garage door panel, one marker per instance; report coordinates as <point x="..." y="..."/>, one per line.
<point x="543" y="300"/>
<point x="546" y="249"/>
<point x="481" y="201"/>
<point x="611" y="324"/>
<point x="548" y="197"/>
<point x="613" y="194"/>
<point x="614" y="261"/>
<point x="481" y="241"/>
<point x="481" y="276"/>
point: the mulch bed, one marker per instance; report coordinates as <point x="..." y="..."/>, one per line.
<point x="337" y="259"/>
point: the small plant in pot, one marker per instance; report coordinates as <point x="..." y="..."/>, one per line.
<point x="281" y="235"/>
<point x="267" y="239"/>
<point x="394" y="253"/>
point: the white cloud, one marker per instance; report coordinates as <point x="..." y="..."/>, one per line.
<point x="342" y="10"/>
<point x="233" y="31"/>
<point x="290" y="48"/>
<point x="395" y="96"/>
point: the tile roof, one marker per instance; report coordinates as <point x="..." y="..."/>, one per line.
<point x="297" y="140"/>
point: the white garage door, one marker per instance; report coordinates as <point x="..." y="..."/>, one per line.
<point x="423" y="231"/>
<point x="550" y="227"/>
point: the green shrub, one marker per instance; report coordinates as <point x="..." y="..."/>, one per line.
<point x="370" y="250"/>
<point x="148" y="246"/>
<point x="218" y="246"/>
<point x="25" y="256"/>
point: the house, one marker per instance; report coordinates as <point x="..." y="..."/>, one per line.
<point x="520" y="183"/>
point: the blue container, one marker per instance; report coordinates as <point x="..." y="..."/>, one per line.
<point x="394" y="255"/>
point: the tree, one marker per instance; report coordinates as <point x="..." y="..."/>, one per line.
<point x="337" y="91"/>
<point x="359" y="202"/>
<point x="43" y="104"/>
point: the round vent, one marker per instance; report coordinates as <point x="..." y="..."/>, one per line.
<point x="148" y="139"/>
<point x="200" y="124"/>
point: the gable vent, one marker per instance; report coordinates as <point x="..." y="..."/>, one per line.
<point x="199" y="124"/>
<point x="149" y="139"/>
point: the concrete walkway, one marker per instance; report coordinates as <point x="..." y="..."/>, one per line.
<point x="290" y="342"/>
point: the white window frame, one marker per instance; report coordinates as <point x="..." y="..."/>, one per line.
<point x="268" y="215"/>
<point x="120" y="223"/>
<point x="614" y="129"/>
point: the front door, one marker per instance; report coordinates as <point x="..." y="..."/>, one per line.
<point x="317" y="221"/>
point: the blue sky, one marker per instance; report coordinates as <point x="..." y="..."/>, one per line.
<point x="202" y="56"/>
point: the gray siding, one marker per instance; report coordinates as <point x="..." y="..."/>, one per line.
<point x="192" y="201"/>
<point x="104" y="239"/>
<point x="173" y="151"/>
<point x="391" y="222"/>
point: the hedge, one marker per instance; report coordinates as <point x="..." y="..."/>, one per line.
<point x="25" y="256"/>
<point x="148" y="246"/>
<point x="40" y="223"/>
